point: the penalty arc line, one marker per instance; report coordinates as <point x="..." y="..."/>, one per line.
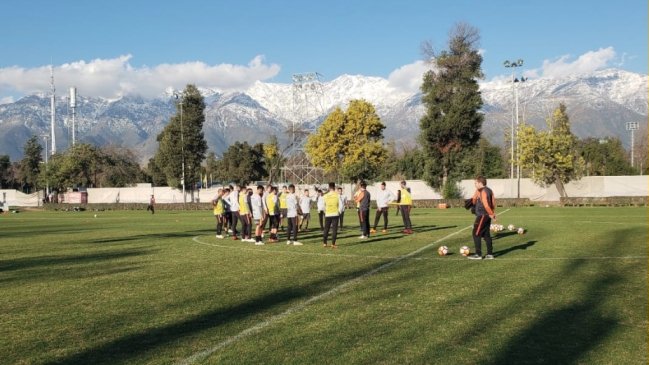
<point x="201" y="355"/>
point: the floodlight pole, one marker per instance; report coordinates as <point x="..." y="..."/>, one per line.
<point x="47" y="179"/>
<point x="632" y="126"/>
<point x="182" y="148"/>
<point x="514" y="156"/>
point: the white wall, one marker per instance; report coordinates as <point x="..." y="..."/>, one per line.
<point x="593" y="186"/>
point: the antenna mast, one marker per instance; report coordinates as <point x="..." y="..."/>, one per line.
<point x="52" y="109"/>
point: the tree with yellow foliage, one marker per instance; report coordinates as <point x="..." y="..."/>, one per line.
<point x="349" y="142"/>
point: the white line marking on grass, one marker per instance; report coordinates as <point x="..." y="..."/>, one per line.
<point x="258" y="249"/>
<point x="258" y="327"/>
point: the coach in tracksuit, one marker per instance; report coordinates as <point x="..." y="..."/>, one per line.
<point x="485" y="206"/>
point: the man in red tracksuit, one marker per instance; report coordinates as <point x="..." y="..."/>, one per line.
<point x="485" y="206"/>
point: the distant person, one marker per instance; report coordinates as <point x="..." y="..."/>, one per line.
<point x="273" y="214"/>
<point x="258" y="214"/>
<point x="333" y="205"/>
<point x="341" y="224"/>
<point x="320" y="205"/>
<point x="305" y="210"/>
<point x="218" y="206"/>
<point x="363" y="201"/>
<point x="291" y="216"/>
<point x="282" y="206"/>
<point x="404" y="199"/>
<point x="151" y="206"/>
<point x="383" y="199"/>
<point x="245" y="214"/>
<point x="485" y="206"/>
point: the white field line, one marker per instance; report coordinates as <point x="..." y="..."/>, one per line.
<point x="261" y="250"/>
<point x="258" y="327"/>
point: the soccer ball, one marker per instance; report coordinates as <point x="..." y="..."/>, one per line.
<point x="511" y="227"/>
<point x="521" y="230"/>
<point x="95" y="215"/>
<point x="442" y="250"/>
<point x="465" y="251"/>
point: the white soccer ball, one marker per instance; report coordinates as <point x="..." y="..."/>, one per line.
<point x="465" y="250"/>
<point x="442" y="250"/>
<point x="521" y="230"/>
<point x="95" y="215"/>
<point x="511" y="227"/>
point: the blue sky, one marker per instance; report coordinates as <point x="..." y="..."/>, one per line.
<point x="106" y="45"/>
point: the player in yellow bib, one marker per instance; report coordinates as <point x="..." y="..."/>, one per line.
<point x="333" y="205"/>
<point x="219" y="212"/>
<point x="404" y="199"/>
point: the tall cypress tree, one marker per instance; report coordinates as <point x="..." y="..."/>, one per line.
<point x="30" y="164"/>
<point x="183" y="139"/>
<point x="452" y="99"/>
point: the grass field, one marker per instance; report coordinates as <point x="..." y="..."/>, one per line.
<point x="129" y="287"/>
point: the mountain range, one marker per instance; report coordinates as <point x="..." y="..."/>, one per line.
<point x="599" y="104"/>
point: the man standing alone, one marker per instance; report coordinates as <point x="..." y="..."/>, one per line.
<point x="383" y="198"/>
<point x="405" y="203"/>
<point x="363" y="201"/>
<point x="485" y="205"/>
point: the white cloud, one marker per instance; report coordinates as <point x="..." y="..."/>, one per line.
<point x="408" y="78"/>
<point x="111" y="78"/>
<point x="6" y="100"/>
<point x="586" y="63"/>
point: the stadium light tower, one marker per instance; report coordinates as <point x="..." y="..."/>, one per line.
<point x="47" y="180"/>
<point x="179" y="100"/>
<point x="514" y="156"/>
<point x="632" y="126"/>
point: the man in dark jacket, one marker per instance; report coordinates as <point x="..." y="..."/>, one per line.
<point x="485" y="206"/>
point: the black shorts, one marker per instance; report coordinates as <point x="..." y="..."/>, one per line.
<point x="283" y="212"/>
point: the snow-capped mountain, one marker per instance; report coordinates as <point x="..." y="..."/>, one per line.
<point x="599" y="104"/>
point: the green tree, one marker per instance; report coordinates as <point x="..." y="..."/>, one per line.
<point x="452" y="99"/>
<point x="483" y="159"/>
<point x="154" y="174"/>
<point x="210" y="166"/>
<point x="242" y="163"/>
<point x="349" y="143"/>
<point x="273" y="158"/>
<point x="118" y="168"/>
<point x="5" y="172"/>
<point x="551" y="155"/>
<point x="605" y="157"/>
<point x="30" y="165"/>
<point x="182" y="140"/>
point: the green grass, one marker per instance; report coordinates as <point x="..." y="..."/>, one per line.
<point x="129" y="287"/>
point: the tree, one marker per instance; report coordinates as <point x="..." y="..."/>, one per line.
<point x="604" y="157"/>
<point x="154" y="174"/>
<point x="242" y="163"/>
<point x="211" y="166"/>
<point x="452" y="99"/>
<point x="118" y="168"/>
<point x="349" y="143"/>
<point x="182" y="140"/>
<point x="273" y="158"/>
<point x="5" y="172"/>
<point x="483" y="159"/>
<point x="30" y="165"/>
<point x="551" y="155"/>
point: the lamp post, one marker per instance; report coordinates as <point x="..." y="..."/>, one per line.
<point x="182" y="146"/>
<point x="632" y="126"/>
<point x="514" y="156"/>
<point x="47" y="179"/>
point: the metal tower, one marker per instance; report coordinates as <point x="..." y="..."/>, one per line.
<point x="53" y="109"/>
<point x="308" y="95"/>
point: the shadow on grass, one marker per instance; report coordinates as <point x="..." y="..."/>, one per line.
<point x="522" y="246"/>
<point x="500" y="235"/>
<point x="55" y="261"/>
<point x="564" y="335"/>
<point x="125" y="349"/>
<point x="148" y="236"/>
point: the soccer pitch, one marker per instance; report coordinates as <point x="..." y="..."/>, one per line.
<point x="130" y="287"/>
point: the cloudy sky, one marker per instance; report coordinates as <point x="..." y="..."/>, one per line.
<point x="120" y="47"/>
